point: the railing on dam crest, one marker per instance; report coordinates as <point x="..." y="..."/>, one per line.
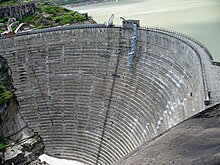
<point x="171" y="33"/>
<point x="177" y="35"/>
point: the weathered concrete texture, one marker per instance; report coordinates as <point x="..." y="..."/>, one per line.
<point x="66" y="80"/>
<point x="212" y="72"/>
<point x="75" y="88"/>
<point x="154" y="95"/>
<point x="195" y="141"/>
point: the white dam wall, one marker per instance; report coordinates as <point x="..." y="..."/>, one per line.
<point x="75" y="88"/>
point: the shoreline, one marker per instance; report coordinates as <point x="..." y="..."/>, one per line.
<point x="89" y="3"/>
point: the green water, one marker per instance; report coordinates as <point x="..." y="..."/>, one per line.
<point x="198" y="18"/>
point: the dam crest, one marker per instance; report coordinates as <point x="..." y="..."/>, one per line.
<point x="76" y="90"/>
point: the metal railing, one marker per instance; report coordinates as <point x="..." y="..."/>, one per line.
<point x="170" y="33"/>
<point x="177" y="36"/>
<point x="85" y="26"/>
<point x="52" y="29"/>
<point x="182" y="35"/>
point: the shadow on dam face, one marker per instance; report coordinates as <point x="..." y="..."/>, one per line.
<point x="75" y="88"/>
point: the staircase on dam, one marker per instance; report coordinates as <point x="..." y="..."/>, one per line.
<point x="76" y="90"/>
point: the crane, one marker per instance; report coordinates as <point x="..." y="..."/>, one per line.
<point x="122" y="18"/>
<point x="110" y="21"/>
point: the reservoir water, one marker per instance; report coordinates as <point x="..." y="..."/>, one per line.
<point x="199" y="19"/>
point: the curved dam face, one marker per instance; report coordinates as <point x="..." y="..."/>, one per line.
<point x="75" y="88"/>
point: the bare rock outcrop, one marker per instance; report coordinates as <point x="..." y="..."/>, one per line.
<point x="20" y="145"/>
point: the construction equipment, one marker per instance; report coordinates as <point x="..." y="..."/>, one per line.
<point x="134" y="39"/>
<point x="122" y="19"/>
<point x="110" y="21"/>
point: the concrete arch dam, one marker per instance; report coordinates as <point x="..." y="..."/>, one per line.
<point x="75" y="88"/>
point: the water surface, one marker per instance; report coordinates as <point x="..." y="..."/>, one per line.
<point x="197" y="18"/>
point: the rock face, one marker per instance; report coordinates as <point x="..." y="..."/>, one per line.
<point x="23" y="145"/>
<point x="38" y="162"/>
<point x="25" y="152"/>
<point x="17" y="10"/>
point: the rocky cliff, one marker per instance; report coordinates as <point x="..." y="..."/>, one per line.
<point x="18" y="143"/>
<point x="17" y="10"/>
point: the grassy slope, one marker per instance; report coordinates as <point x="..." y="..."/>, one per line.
<point x="64" y="2"/>
<point x="49" y="16"/>
<point x="5" y="2"/>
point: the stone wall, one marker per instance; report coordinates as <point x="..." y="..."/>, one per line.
<point x="75" y="88"/>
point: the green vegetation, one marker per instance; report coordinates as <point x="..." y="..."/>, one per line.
<point x="2" y="30"/>
<point x="6" y="2"/>
<point x="55" y="2"/>
<point x="2" y="147"/>
<point x="49" y="16"/>
<point x="8" y="82"/>
<point x="69" y="17"/>
<point x="3" y="143"/>
<point x="53" y="9"/>
<point x="5" y="95"/>
<point x="11" y="2"/>
<point x="45" y="16"/>
<point x="3" y="19"/>
<point x="64" y="2"/>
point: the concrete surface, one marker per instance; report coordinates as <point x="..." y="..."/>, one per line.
<point x="193" y="142"/>
<point x="75" y="88"/>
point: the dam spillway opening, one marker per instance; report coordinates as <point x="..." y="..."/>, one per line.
<point x="76" y="90"/>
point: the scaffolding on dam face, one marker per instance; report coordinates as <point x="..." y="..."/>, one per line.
<point x="132" y="54"/>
